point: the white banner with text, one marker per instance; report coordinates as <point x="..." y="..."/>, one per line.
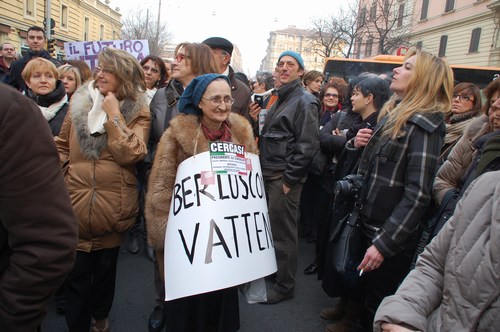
<point x="218" y="233"/>
<point x="89" y="50"/>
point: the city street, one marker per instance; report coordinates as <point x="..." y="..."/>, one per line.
<point x="134" y="301"/>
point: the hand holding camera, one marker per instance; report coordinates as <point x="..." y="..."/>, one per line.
<point x="259" y="100"/>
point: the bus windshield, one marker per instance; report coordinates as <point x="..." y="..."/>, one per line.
<point x="384" y="64"/>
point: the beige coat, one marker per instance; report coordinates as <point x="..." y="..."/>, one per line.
<point x="100" y="171"/>
<point x="453" y="169"/>
<point x="456" y="283"/>
<point x="176" y="145"/>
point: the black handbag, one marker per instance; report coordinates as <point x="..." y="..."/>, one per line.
<point x="345" y="251"/>
<point x="348" y="250"/>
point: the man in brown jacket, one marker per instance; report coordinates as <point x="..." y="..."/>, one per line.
<point x="38" y="230"/>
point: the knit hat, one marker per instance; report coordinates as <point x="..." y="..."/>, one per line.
<point x="219" y="42"/>
<point x="294" y="55"/>
<point x="191" y="97"/>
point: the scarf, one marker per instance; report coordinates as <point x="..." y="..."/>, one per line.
<point x="50" y="112"/>
<point x="150" y="93"/>
<point x="223" y="134"/>
<point x="455" y="130"/>
<point x="97" y="117"/>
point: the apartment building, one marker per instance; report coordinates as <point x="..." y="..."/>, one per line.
<point x="291" y="38"/>
<point x="466" y="32"/>
<point x="383" y="27"/>
<point x="74" y="20"/>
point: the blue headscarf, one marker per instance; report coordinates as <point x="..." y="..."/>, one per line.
<point x="190" y="98"/>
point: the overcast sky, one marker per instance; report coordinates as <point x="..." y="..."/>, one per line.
<point x="244" y="23"/>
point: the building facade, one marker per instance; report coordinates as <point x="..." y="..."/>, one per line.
<point x="465" y="32"/>
<point x="383" y="27"/>
<point x="291" y="38"/>
<point x="74" y="20"/>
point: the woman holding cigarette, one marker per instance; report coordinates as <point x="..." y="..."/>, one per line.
<point x="399" y="160"/>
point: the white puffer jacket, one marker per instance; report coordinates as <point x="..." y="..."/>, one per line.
<point x="456" y="283"/>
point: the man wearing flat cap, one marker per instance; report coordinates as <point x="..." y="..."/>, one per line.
<point x="288" y="143"/>
<point x="222" y="50"/>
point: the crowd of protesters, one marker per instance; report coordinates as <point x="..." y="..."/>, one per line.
<point x="418" y="144"/>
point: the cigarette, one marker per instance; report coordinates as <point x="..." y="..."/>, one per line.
<point x="361" y="272"/>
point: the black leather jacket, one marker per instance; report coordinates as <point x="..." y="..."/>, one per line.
<point x="290" y="136"/>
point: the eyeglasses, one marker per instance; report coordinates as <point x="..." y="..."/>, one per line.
<point x="179" y="57"/>
<point x="331" y="95"/>
<point x="463" y="98"/>
<point x="152" y="69"/>
<point x="216" y="101"/>
<point x="103" y="70"/>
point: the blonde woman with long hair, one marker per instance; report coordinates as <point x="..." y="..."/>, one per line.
<point x="399" y="159"/>
<point x="70" y="77"/>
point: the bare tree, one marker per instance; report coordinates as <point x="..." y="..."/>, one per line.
<point x="326" y="38"/>
<point x="337" y="33"/>
<point x="140" y="24"/>
<point x="385" y="23"/>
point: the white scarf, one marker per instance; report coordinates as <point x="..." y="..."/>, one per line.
<point x="150" y="93"/>
<point x="96" y="117"/>
<point x="50" y="112"/>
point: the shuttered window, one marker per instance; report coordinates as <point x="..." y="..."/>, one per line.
<point x="450" y="5"/>
<point x="442" y="46"/>
<point x="474" y="40"/>
<point x="425" y="7"/>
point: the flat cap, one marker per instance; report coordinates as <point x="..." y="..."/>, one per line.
<point x="219" y="42"/>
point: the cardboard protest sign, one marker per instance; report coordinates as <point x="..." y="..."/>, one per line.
<point x="218" y="233"/>
<point x="88" y="50"/>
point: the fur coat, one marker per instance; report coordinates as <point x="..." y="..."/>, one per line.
<point x="453" y="169"/>
<point x="100" y="170"/>
<point x="176" y="145"/>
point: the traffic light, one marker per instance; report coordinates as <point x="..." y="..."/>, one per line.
<point x="51" y="46"/>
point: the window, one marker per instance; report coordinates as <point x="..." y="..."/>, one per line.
<point x="101" y="32"/>
<point x="450" y="5"/>
<point x="114" y="35"/>
<point x="401" y="13"/>
<point x="419" y="45"/>
<point x="474" y="40"/>
<point x="368" y="47"/>
<point x="29" y="6"/>
<point x="373" y="11"/>
<point x="442" y="46"/>
<point x="64" y="16"/>
<point x="86" y="29"/>
<point x="359" y="41"/>
<point x="386" y="8"/>
<point x="362" y="17"/>
<point x="425" y="7"/>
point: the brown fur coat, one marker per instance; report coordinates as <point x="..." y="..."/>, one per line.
<point x="176" y="145"/>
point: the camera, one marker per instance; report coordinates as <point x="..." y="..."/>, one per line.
<point x="349" y="187"/>
<point x="259" y="100"/>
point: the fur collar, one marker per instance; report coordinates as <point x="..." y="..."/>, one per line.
<point x="80" y="105"/>
<point x="478" y="126"/>
<point x="185" y="128"/>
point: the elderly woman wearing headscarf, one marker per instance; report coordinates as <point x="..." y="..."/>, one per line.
<point x="205" y="108"/>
